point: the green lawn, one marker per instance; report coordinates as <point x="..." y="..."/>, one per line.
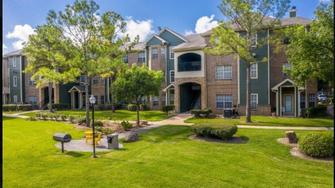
<point x="151" y="115"/>
<point x="164" y="157"/>
<point x="267" y="121"/>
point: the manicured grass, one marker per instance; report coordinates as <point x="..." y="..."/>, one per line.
<point x="267" y="121"/>
<point x="152" y="115"/>
<point x="164" y="157"/>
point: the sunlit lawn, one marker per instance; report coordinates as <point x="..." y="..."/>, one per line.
<point x="164" y="157"/>
<point x="267" y="121"/>
<point x="151" y="115"/>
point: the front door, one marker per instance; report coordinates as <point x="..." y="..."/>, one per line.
<point x="288" y="105"/>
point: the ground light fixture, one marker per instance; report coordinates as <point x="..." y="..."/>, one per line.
<point x="92" y="102"/>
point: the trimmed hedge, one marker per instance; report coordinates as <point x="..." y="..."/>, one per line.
<point x="201" y="113"/>
<point x="131" y="107"/>
<point x="17" y="107"/>
<point x="318" y="111"/>
<point x="144" y="107"/>
<point x="318" y="145"/>
<point x="223" y="133"/>
<point x="61" y="106"/>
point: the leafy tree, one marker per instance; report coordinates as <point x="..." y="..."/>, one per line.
<point x="243" y="19"/>
<point x="48" y="54"/>
<point x="137" y="82"/>
<point x="310" y="50"/>
<point x="95" y="39"/>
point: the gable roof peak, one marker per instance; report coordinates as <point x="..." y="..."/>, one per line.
<point x="173" y="32"/>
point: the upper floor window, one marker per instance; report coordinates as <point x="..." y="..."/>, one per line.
<point x="224" y="101"/>
<point x="223" y="72"/>
<point x="141" y="57"/>
<point x="125" y="58"/>
<point x="171" y="75"/>
<point x="154" y="53"/>
<point x="253" y="100"/>
<point x="253" y="39"/>
<point x="189" y="62"/>
<point x="163" y="52"/>
<point x="171" y="53"/>
<point x="286" y="67"/>
<point x="254" y="71"/>
<point x="14" y="81"/>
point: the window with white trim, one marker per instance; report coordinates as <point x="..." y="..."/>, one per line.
<point x="15" y="99"/>
<point x="253" y="100"/>
<point x="223" y="72"/>
<point x="224" y="101"/>
<point x="141" y="57"/>
<point x="14" y="81"/>
<point x="253" y="39"/>
<point x="163" y="52"/>
<point x="171" y="53"/>
<point x="171" y="76"/>
<point x="32" y="100"/>
<point x="155" y="101"/>
<point x="285" y="68"/>
<point x="154" y="53"/>
<point x="254" y="71"/>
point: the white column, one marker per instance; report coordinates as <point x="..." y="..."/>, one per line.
<point x="166" y="97"/>
<point x="277" y="102"/>
<point x="299" y="109"/>
<point x="295" y="101"/>
<point x="80" y="100"/>
<point x="280" y="102"/>
<point x="72" y="99"/>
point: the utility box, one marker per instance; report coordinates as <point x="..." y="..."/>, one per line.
<point x="113" y="141"/>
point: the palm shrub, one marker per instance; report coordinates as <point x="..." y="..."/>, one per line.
<point x="318" y="145"/>
<point x="126" y="125"/>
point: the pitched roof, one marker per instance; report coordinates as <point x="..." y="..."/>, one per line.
<point x="79" y="88"/>
<point x="13" y="53"/>
<point x="195" y="42"/>
<point x="174" y="33"/>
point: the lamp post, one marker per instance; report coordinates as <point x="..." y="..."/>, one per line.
<point x="92" y="102"/>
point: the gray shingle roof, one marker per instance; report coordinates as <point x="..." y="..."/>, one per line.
<point x="195" y="42"/>
<point x="13" y="53"/>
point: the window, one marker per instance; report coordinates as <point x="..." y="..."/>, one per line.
<point x="171" y="55"/>
<point x="14" y="61"/>
<point x="14" y="81"/>
<point x="82" y="78"/>
<point x="253" y="100"/>
<point x="302" y="101"/>
<point x="125" y="59"/>
<point x="102" y="99"/>
<point x="163" y="52"/>
<point x="32" y="100"/>
<point x="141" y="57"/>
<point x="96" y="99"/>
<point x="285" y="68"/>
<point x="15" y="99"/>
<point x="224" y="101"/>
<point x="312" y="100"/>
<point x="254" y="40"/>
<point x="223" y="72"/>
<point x="155" y="101"/>
<point x="254" y="71"/>
<point x="95" y="81"/>
<point x="31" y="82"/>
<point x="154" y="53"/>
<point x="189" y="62"/>
<point x="171" y="76"/>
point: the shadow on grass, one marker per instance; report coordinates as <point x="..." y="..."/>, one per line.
<point x="233" y="140"/>
<point x="74" y="154"/>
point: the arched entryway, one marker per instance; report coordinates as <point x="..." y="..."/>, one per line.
<point x="77" y="97"/>
<point x="189" y="96"/>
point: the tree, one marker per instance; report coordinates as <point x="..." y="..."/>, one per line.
<point x="47" y="53"/>
<point x="236" y="35"/>
<point x="310" y="50"/>
<point x="137" y="82"/>
<point x="95" y="39"/>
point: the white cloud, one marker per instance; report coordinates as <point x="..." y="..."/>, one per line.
<point x="205" y="23"/>
<point x="142" y="28"/>
<point x="189" y="32"/>
<point x="21" y="34"/>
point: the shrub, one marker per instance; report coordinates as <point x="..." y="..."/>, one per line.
<point x="168" y="108"/>
<point x="131" y="107"/>
<point x="201" y="113"/>
<point x="98" y="123"/>
<point x="63" y="117"/>
<point x="57" y="117"/>
<point x="317" y="145"/>
<point x="72" y="119"/>
<point x="32" y="119"/>
<point x="81" y="120"/>
<point x="17" y="107"/>
<point x="144" y="107"/>
<point x="223" y="133"/>
<point x="107" y="131"/>
<point x="38" y="115"/>
<point x="44" y="116"/>
<point x="126" y="125"/>
<point x="320" y="110"/>
<point x="61" y="106"/>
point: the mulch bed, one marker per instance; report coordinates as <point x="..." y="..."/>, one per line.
<point x="233" y="140"/>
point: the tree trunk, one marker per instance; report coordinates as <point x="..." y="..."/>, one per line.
<point x="247" y="99"/>
<point x="87" y="103"/>
<point x="137" y="114"/>
<point x="112" y="99"/>
<point x="50" y="96"/>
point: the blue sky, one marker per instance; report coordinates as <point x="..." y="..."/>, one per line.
<point x="143" y="16"/>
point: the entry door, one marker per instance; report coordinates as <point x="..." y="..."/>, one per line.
<point x="288" y="103"/>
